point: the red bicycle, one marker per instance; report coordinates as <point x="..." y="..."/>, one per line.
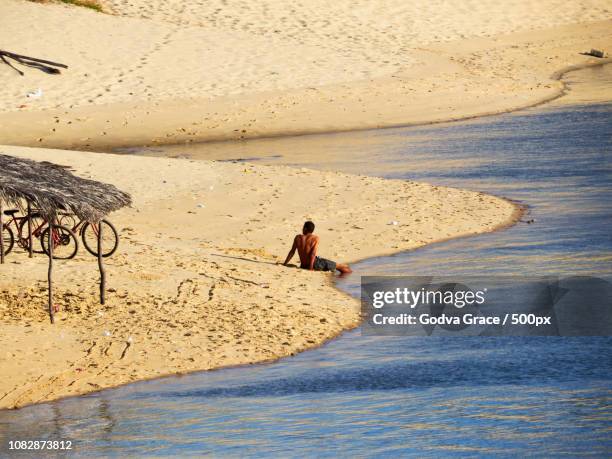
<point x="89" y="234"/>
<point x="65" y="242"/>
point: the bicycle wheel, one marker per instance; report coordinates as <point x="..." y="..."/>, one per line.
<point x="65" y="243"/>
<point x="110" y="238"/>
<point x="38" y="226"/>
<point x="7" y="239"/>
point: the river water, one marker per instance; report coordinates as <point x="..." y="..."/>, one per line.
<point x="434" y="396"/>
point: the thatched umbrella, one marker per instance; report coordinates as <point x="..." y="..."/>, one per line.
<point x="52" y="189"/>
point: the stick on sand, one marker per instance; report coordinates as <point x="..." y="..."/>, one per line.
<point x="40" y="64"/>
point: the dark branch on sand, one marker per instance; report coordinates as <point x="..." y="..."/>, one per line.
<point x="40" y="64"/>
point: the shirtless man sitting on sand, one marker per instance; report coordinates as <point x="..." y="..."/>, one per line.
<point x="306" y="244"/>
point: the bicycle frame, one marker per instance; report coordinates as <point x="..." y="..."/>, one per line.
<point x="36" y="232"/>
<point x="68" y="220"/>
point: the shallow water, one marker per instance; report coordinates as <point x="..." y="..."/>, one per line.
<point x="431" y="396"/>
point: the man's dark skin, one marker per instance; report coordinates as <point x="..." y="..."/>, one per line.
<point x="306" y="245"/>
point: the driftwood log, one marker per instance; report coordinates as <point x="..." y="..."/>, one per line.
<point x="41" y="64"/>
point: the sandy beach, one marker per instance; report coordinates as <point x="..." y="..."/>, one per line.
<point x="172" y="72"/>
<point x="196" y="283"/>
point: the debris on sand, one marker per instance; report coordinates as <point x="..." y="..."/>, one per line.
<point x="595" y="53"/>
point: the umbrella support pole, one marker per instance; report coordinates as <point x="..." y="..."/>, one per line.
<point x="1" y="234"/>
<point x="101" y="265"/>
<point x="30" y="248"/>
<point x="50" y="272"/>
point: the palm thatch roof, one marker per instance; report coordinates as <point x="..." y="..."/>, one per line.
<point x="51" y="188"/>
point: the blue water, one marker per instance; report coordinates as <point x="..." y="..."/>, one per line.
<point x="389" y="396"/>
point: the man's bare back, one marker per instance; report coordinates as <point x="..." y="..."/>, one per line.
<point x="307" y="245"/>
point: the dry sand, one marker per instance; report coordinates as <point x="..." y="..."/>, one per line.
<point x="175" y="71"/>
<point x="195" y="284"/>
